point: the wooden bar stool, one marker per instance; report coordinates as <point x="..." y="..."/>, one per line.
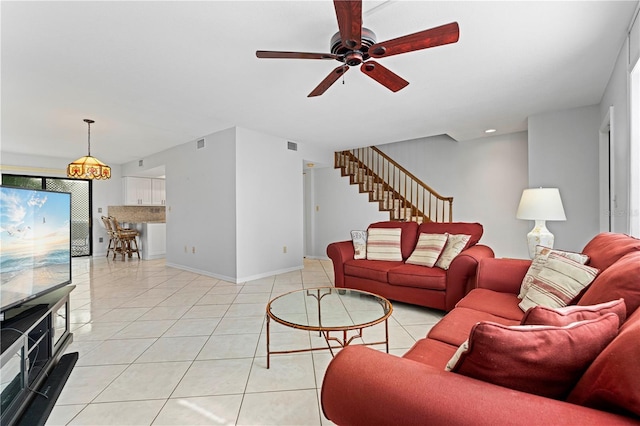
<point x="126" y="243"/>
<point x="112" y="237"/>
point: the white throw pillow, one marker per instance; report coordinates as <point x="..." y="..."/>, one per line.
<point x="455" y="244"/>
<point x="359" y="239"/>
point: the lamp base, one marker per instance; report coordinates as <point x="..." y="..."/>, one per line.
<point x="539" y="236"/>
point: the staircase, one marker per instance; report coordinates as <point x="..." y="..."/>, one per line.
<point x="397" y="191"/>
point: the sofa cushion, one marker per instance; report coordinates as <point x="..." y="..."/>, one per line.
<point x="408" y="275"/>
<point x="541" y="315"/>
<point x="540" y="259"/>
<point x="428" y="249"/>
<point x="538" y="359"/>
<point x="504" y="305"/>
<point x="431" y="352"/>
<point x="384" y="244"/>
<point x="606" y="248"/>
<point x="454" y="328"/>
<point x="468" y="228"/>
<point x="368" y="269"/>
<point x="455" y="244"/>
<point x="409" y="234"/>
<point x="612" y="382"/>
<point x="621" y="280"/>
<point x="559" y="281"/>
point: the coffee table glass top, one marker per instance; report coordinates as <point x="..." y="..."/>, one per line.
<point x="329" y="308"/>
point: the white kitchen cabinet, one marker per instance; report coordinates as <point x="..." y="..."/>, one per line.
<point x="140" y="191"/>
<point x="153" y="238"/>
<point x="158" y="197"/>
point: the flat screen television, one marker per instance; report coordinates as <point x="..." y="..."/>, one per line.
<point x="35" y="243"/>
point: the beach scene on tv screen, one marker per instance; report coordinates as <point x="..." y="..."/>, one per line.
<point x="35" y="242"/>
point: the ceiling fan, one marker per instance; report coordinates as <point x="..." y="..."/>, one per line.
<point x="355" y="45"/>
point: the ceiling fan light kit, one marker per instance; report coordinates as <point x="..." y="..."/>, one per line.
<point x="354" y="45"/>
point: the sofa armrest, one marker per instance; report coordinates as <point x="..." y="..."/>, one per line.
<point x="503" y="275"/>
<point x="363" y="386"/>
<point x="339" y="253"/>
<point x="462" y="273"/>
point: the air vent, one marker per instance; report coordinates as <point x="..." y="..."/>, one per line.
<point x="200" y="144"/>
<point x="140" y="163"/>
<point x="292" y="146"/>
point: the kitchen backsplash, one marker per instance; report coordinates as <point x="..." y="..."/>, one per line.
<point x="138" y="214"/>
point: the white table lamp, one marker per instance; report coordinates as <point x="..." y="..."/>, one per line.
<point x="540" y="204"/>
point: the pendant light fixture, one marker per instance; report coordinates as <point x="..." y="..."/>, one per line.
<point x="88" y="167"/>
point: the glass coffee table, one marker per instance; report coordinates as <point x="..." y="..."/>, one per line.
<point x="337" y="314"/>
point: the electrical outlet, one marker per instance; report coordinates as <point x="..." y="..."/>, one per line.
<point x="193" y="250"/>
<point x="100" y="211"/>
<point x="185" y="249"/>
<point x="317" y="208"/>
<point x="284" y="249"/>
<point x="100" y="240"/>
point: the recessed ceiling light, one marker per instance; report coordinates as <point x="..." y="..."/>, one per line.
<point x="490" y="131"/>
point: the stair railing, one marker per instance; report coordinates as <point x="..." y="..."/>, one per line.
<point x="418" y="201"/>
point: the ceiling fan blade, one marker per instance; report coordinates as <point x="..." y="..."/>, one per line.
<point x="349" y="14"/>
<point x="438" y="36"/>
<point x="384" y="76"/>
<point x="328" y="81"/>
<point x="294" y="55"/>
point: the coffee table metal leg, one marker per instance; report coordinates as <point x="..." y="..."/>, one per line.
<point x="269" y="353"/>
<point x="386" y="334"/>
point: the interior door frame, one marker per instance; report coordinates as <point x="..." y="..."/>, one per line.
<point x="607" y="173"/>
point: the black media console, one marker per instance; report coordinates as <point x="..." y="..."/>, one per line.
<point x="34" y="337"/>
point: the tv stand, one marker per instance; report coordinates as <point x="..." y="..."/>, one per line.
<point x="34" y="336"/>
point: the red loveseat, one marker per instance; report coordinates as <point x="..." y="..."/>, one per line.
<point x="365" y="386"/>
<point x="419" y="285"/>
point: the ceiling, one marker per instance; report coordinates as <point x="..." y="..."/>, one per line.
<point x="158" y="74"/>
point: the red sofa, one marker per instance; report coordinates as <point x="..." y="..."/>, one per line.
<point x="363" y="386"/>
<point x="419" y="285"/>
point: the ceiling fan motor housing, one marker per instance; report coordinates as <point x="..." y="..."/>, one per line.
<point x="353" y="57"/>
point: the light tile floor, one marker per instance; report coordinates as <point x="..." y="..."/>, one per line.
<point x="163" y="346"/>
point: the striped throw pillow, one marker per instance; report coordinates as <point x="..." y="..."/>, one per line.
<point x="384" y="244"/>
<point x="542" y="254"/>
<point x="428" y="249"/>
<point x="558" y="282"/>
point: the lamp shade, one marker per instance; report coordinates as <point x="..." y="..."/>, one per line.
<point x="88" y="167"/>
<point x="541" y="204"/>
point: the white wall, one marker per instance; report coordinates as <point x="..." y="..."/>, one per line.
<point x="484" y="176"/>
<point x="337" y="208"/>
<point x="201" y="205"/>
<point x="564" y="154"/>
<point x="269" y="205"/>
<point x="105" y="192"/>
